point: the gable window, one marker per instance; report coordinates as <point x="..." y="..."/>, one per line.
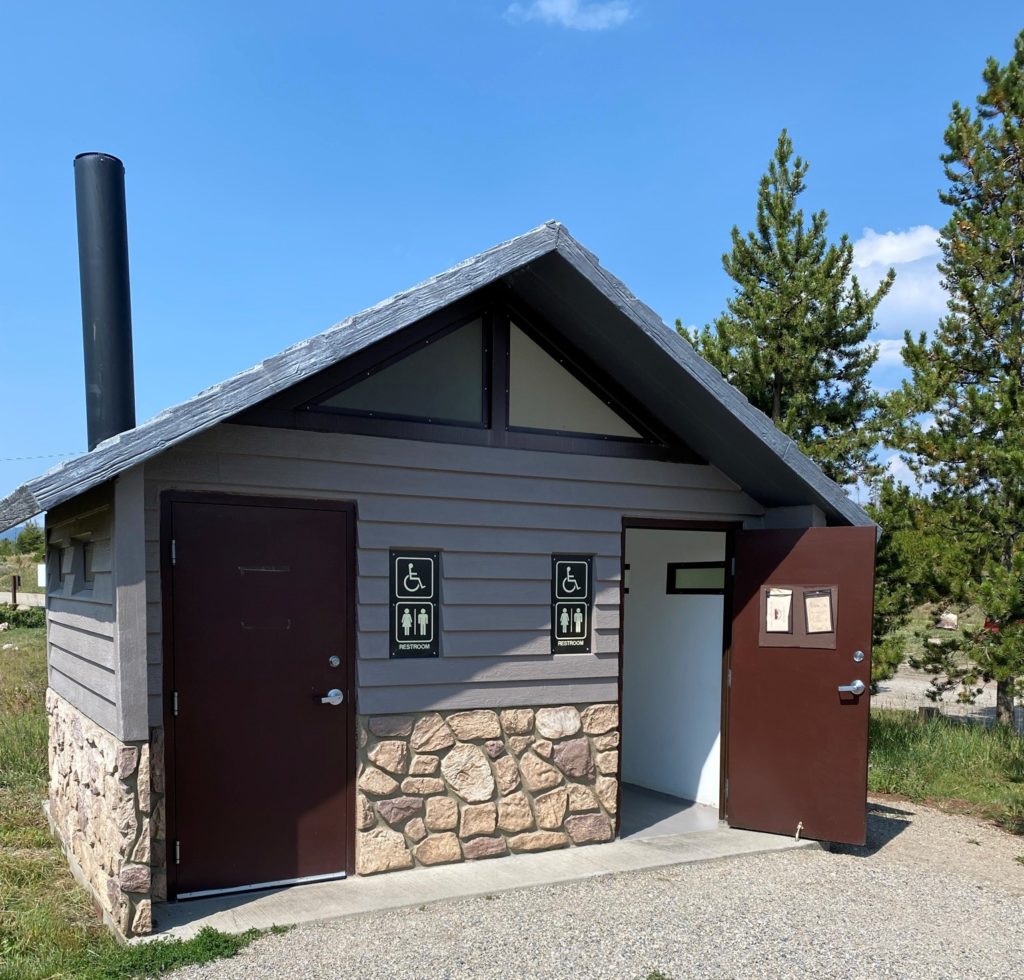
<point x="547" y="396"/>
<point x="486" y="371"/>
<point x="442" y="379"/>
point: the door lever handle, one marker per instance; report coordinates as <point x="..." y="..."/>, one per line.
<point x="857" y="688"/>
<point x="335" y="697"/>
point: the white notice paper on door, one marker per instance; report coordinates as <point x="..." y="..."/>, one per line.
<point x="818" y="609"/>
<point x="779" y="611"/>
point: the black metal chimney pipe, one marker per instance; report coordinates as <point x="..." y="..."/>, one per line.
<point x="106" y="296"/>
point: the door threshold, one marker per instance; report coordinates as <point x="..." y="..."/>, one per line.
<point x="262" y="886"/>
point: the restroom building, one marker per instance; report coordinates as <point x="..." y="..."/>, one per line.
<point x="496" y="566"/>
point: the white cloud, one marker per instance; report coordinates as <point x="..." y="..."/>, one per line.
<point x="889" y="353"/>
<point x="600" y="15"/>
<point x="895" y="247"/>
<point x="917" y="299"/>
<point x="900" y="472"/>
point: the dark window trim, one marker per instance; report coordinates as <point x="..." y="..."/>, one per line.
<point x="295" y="408"/>
<point x="573" y="362"/>
<point x="670" y="578"/>
<point x="486" y="347"/>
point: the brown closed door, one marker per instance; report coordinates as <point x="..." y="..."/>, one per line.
<point x="797" y="745"/>
<point x="260" y="598"/>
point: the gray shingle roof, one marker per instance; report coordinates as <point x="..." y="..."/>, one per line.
<point x="557" y="275"/>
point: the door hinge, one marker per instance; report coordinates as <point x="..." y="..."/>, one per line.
<point x="728" y="679"/>
<point x="174" y="552"/>
<point x="174" y="704"/>
<point x="733" y="567"/>
<point x="727" y="787"/>
<point x="177" y="852"/>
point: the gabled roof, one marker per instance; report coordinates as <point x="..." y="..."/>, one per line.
<point x="566" y="283"/>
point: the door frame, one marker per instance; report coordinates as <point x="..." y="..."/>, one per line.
<point x="167" y="499"/>
<point x="680" y="524"/>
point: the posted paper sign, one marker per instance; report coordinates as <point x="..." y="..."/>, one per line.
<point x="779" y="611"/>
<point x="818" y="611"/>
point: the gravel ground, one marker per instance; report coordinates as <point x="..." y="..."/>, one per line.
<point x="932" y="895"/>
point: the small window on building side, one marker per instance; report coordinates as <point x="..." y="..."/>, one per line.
<point x="54" y="570"/>
<point x="696" y="578"/>
<point x="440" y="381"/>
<point x="81" y="564"/>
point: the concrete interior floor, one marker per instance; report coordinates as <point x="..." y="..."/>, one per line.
<point x="646" y="813"/>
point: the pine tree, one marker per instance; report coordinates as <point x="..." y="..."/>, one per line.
<point x="794" y="338"/>
<point x="958" y="419"/>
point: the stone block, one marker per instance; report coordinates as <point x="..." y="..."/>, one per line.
<point x="517" y="721"/>
<point x="550" y="808"/>
<point x="557" y="723"/>
<point x="135" y="878"/>
<point x="142" y="922"/>
<point x="589" y="828"/>
<point x="608" y="763"/>
<point x="468" y="772"/>
<point x="391" y="755"/>
<point x="600" y="718"/>
<point x="514" y="813"/>
<point x="543" y="748"/>
<point x="423" y="785"/>
<point x="537" y="840"/>
<point x="127" y="761"/>
<point x="506" y="774"/>
<point x="380" y="850"/>
<point x="398" y="810"/>
<point x="574" y="759"/>
<point x="538" y="774"/>
<point x="478" y="819"/>
<point x="442" y="813"/>
<point x="474" y="725"/>
<point x="144" y="783"/>
<point x="392" y="726"/>
<point x="581" y="798"/>
<point x="431" y="734"/>
<point x="438" y="849"/>
<point x="604" y="742"/>
<point x="494" y="748"/>
<point x="156" y="761"/>
<point x="519" y="743"/>
<point x="416" y="830"/>
<point x="424" y="765"/>
<point x="375" y="782"/>
<point x="484" y="847"/>
<point x="608" y="792"/>
<point x="365" y="815"/>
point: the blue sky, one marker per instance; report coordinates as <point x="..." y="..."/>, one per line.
<point x="290" y="164"/>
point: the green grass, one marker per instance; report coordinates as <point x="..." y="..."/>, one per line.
<point x="48" y="928"/>
<point x="950" y="763"/>
<point x="23" y="565"/>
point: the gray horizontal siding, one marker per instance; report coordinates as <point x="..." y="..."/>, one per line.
<point x="496" y="514"/>
<point x="81" y="650"/>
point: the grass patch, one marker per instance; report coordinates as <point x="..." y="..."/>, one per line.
<point x="949" y="762"/>
<point x="48" y="928"/>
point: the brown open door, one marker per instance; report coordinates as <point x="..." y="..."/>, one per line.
<point x="798" y="742"/>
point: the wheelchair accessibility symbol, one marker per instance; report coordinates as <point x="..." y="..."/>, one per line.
<point x="571" y="580"/>
<point x="414" y="577"/>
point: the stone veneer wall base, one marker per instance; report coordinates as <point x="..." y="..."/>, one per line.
<point x="106" y="809"/>
<point x="441" y="787"/>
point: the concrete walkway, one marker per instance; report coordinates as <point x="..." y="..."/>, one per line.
<point x="26" y="600"/>
<point x="423" y="886"/>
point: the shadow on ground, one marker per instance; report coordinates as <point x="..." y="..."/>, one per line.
<point x="885" y="823"/>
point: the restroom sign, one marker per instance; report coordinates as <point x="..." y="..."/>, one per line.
<point x="413" y="607"/>
<point x="572" y="600"/>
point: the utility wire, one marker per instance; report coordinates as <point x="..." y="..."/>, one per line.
<point x="18" y="459"/>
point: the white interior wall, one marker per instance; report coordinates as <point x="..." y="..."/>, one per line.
<point x="672" y="669"/>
